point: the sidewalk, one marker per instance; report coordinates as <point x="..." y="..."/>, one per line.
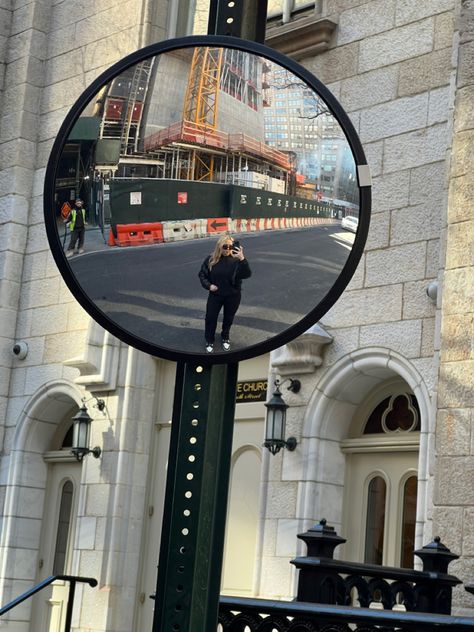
<point x="94" y="240"/>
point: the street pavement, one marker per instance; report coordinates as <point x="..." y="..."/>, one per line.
<point x="153" y="291"/>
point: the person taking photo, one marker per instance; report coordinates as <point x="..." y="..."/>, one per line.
<point x="221" y="274"/>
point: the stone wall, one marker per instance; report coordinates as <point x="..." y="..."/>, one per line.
<point x="391" y="64"/>
<point x="49" y="52"/>
<point x="51" y="56"/>
<point x="454" y="498"/>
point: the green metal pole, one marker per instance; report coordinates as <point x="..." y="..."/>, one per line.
<point x="192" y="540"/>
<point x="192" y="543"/>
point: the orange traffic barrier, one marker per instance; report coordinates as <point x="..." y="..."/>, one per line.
<point x="139" y="234"/>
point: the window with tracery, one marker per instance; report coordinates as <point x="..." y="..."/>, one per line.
<point x="397" y="413"/>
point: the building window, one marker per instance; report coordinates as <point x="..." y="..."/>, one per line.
<point x="408" y="522"/>
<point x="397" y="413"/>
<point x="64" y="523"/>
<point x="375" y="523"/>
<point x="286" y="10"/>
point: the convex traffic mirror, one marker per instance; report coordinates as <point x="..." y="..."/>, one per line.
<point x="207" y="166"/>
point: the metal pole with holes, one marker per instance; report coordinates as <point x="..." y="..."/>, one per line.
<point x="192" y="540"/>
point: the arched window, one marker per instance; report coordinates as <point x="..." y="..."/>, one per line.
<point x="397" y="413"/>
<point x="408" y="522"/>
<point x="64" y="525"/>
<point x="375" y="523"/>
<point x="381" y="479"/>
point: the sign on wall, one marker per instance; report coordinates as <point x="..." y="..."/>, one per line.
<point x="251" y="391"/>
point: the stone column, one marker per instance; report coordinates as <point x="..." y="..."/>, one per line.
<point x="23" y="44"/>
<point x="454" y="475"/>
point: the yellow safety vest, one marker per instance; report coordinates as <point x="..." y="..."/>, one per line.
<point x="73" y="217"/>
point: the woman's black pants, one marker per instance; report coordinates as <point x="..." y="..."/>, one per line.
<point x="214" y="305"/>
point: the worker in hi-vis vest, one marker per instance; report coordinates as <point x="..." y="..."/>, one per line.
<point x="77" y="226"/>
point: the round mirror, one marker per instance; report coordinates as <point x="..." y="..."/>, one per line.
<point x="207" y="199"/>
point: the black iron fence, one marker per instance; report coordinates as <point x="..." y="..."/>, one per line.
<point x="323" y="579"/>
<point x="389" y="599"/>
<point x="340" y="596"/>
<point x="261" y="615"/>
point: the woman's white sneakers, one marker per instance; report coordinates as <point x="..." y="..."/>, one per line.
<point x="225" y="346"/>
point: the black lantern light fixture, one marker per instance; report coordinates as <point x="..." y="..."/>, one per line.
<point x="82" y="430"/>
<point x="276" y="419"/>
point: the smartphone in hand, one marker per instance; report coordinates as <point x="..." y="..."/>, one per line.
<point x="235" y="245"/>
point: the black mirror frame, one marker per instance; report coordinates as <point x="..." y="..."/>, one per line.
<point x="288" y="334"/>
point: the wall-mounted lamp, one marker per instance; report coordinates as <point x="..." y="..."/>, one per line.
<point x="82" y="430"/>
<point x="276" y="419"/>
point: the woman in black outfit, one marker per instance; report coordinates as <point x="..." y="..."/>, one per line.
<point x="221" y="273"/>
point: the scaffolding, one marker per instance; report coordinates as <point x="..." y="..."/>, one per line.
<point x="123" y="105"/>
<point x="194" y="149"/>
<point x="181" y="144"/>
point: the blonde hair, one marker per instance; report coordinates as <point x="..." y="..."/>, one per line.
<point x="217" y="254"/>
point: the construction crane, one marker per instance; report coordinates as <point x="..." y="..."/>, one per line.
<point x="201" y="105"/>
<point x="194" y="148"/>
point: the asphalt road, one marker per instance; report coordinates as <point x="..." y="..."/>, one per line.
<point x="153" y="292"/>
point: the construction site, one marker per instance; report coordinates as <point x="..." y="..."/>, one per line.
<point x="194" y="116"/>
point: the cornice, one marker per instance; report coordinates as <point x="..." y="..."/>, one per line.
<point x="304" y="37"/>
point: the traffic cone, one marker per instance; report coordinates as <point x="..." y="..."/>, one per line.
<point x="111" y="241"/>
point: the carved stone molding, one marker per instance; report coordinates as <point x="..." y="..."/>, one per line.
<point x="300" y="38"/>
<point x="303" y="354"/>
<point x="98" y="366"/>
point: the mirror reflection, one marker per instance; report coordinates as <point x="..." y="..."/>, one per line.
<point x="206" y="199"/>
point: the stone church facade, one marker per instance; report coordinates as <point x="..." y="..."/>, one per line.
<point x="385" y="409"/>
